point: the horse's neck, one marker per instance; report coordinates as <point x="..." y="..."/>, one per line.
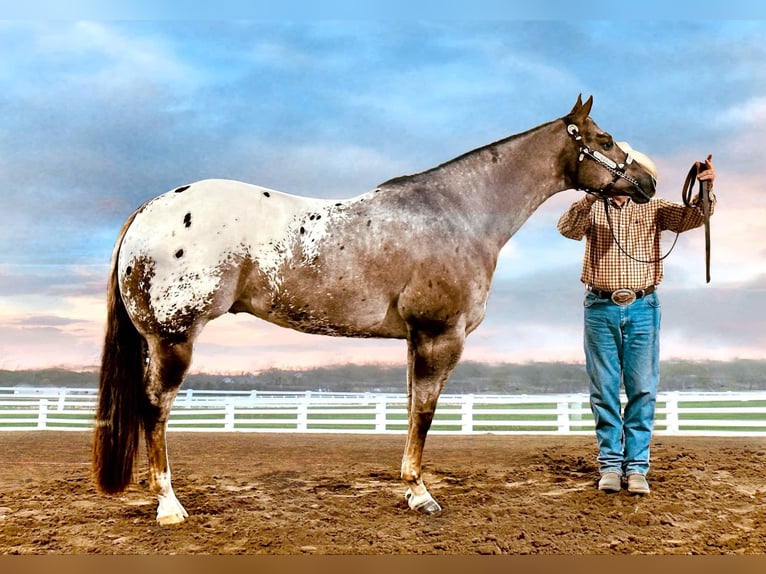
<point x="502" y="184"/>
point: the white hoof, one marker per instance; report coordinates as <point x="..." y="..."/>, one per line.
<point x="424" y="503"/>
<point x="170" y="511"/>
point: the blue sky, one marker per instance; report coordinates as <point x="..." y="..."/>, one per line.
<point x="99" y="116"/>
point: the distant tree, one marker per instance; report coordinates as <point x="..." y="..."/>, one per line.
<point x="468" y="377"/>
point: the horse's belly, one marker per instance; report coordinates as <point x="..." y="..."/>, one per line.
<point x="323" y="314"/>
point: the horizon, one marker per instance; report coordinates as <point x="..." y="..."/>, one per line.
<point x="93" y="369"/>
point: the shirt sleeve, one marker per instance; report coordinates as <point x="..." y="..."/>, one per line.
<point x="576" y="221"/>
<point x="679" y="218"/>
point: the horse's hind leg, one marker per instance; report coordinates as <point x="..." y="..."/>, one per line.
<point x="430" y="362"/>
<point x="168" y="363"/>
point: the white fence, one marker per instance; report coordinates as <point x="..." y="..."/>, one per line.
<point x="678" y="413"/>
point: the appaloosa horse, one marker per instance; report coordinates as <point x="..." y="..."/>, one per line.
<point x="412" y="259"/>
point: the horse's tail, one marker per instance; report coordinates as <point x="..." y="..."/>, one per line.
<point x="121" y="390"/>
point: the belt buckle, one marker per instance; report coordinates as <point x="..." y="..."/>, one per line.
<point x="623" y="297"/>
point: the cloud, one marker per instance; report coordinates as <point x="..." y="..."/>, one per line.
<point x="109" y="58"/>
<point x="43" y="321"/>
<point x="746" y="113"/>
<point x="716" y="322"/>
<point x="30" y="347"/>
<point x="53" y="281"/>
<point x="328" y="170"/>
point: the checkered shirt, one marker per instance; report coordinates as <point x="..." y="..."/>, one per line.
<point x="637" y="227"/>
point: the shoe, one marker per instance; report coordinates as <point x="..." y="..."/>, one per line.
<point x="637" y="484"/>
<point x="610" y="482"/>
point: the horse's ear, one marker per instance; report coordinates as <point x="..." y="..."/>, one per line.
<point x="580" y="111"/>
<point x="577" y="106"/>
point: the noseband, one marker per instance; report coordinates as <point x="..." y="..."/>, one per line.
<point x="618" y="170"/>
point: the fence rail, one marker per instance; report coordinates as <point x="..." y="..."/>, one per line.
<point x="678" y="413"/>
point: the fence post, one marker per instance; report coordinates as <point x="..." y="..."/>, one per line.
<point x="62" y="400"/>
<point x="466" y="414"/>
<point x="575" y="416"/>
<point x="42" y="414"/>
<point x="671" y="413"/>
<point x="562" y="416"/>
<point x="303" y="413"/>
<point x="228" y="417"/>
<point x="381" y="406"/>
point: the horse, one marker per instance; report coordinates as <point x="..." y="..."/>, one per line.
<point x="411" y="259"/>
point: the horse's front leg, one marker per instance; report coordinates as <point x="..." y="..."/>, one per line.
<point x="167" y="367"/>
<point x="431" y="359"/>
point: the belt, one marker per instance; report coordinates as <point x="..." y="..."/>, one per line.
<point x="622" y="296"/>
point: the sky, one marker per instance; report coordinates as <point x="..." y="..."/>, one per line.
<point x="98" y="116"/>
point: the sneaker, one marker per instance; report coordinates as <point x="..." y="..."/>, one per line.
<point x="609" y="482"/>
<point x="637" y="484"/>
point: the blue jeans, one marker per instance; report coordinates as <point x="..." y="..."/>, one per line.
<point x="622" y="347"/>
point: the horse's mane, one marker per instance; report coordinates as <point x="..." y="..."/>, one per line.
<point x="415" y="177"/>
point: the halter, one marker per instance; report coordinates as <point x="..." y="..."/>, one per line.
<point x="618" y="170"/>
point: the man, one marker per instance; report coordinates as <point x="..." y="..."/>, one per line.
<point x="621" y="271"/>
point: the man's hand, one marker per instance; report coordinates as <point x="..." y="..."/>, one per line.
<point x="706" y="172"/>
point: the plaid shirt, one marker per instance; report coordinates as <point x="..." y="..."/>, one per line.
<point x="637" y="227"/>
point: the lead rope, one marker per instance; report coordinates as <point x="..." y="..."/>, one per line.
<point x="705" y="196"/>
<point x="686" y="196"/>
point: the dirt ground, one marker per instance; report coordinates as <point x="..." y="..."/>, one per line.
<point x="296" y="494"/>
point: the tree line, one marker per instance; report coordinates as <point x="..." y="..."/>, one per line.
<point x="468" y="377"/>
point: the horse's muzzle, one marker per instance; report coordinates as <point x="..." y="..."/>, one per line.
<point x="644" y="190"/>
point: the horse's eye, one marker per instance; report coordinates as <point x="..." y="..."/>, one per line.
<point x="607" y="145"/>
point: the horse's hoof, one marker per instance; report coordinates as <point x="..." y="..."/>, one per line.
<point x="170" y="511"/>
<point x="426" y="505"/>
<point x="170" y="519"/>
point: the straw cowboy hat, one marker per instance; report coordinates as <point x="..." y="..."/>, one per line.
<point x="640" y="158"/>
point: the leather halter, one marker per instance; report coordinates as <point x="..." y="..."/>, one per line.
<point x="618" y="170"/>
